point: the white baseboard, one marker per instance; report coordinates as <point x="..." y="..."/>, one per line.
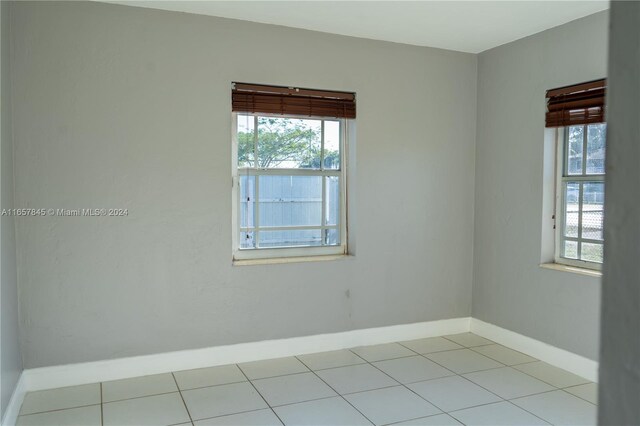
<point x="10" y="416"/>
<point x="114" y="369"/>
<point x="122" y="368"/>
<point x="557" y="357"/>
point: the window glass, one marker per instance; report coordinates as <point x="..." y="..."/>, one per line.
<point x="574" y="152"/>
<point x="289" y="182"/>
<point x="592" y="210"/>
<point x="290" y="200"/>
<point x="332" y="145"/>
<point x="246" y="141"/>
<point x="596" y="134"/>
<point x="581" y="232"/>
<point x="288" y="143"/>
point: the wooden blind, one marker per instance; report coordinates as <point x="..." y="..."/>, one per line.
<point x="578" y="104"/>
<point x="254" y="98"/>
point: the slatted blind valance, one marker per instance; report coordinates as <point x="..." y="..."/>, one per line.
<point x="254" y="98"/>
<point x="578" y="104"/>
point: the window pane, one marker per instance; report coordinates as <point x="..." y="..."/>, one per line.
<point x="245" y="141"/>
<point x="290" y="201"/>
<point x="332" y="145"/>
<point x="247" y="240"/>
<point x="591" y="252"/>
<point x="306" y="237"/>
<point x="332" y="198"/>
<point x="331" y="237"/>
<point x="574" y="150"/>
<point x="592" y="210"/>
<point x="596" y="136"/>
<point x="570" y="250"/>
<point x="571" y="209"/>
<point x="247" y="201"/>
<point x="288" y="143"/>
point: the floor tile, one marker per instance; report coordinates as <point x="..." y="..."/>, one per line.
<point x="264" y="417"/>
<point x="166" y="409"/>
<point x="382" y="352"/>
<point x="138" y="386"/>
<point x="588" y="392"/>
<point x="463" y="361"/>
<point x="57" y="399"/>
<point x="330" y="411"/>
<point x="356" y="378"/>
<point x="498" y="414"/>
<point x="553" y="375"/>
<point x="224" y="399"/>
<point x="503" y="354"/>
<point x="508" y="383"/>
<point x="82" y="416"/>
<point x="437" y="420"/>
<point x="453" y="393"/>
<point x="431" y="344"/>
<point x="202" y="377"/>
<point x="559" y="408"/>
<point x="469" y="339"/>
<point x="391" y="405"/>
<point x="272" y="367"/>
<point x="412" y="369"/>
<point x="331" y="359"/>
<point x="292" y="388"/>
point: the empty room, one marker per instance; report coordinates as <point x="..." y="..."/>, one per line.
<point x="319" y="213"/>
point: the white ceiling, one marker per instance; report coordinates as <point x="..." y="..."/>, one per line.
<point x="467" y="26"/>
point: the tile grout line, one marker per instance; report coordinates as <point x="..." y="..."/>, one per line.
<point x="212" y="386"/>
<point x="432" y="352"/>
<point x="497" y="344"/>
<point x="584" y="399"/>
<point x="232" y="414"/>
<point x="306" y="400"/>
<point x="182" y="397"/>
<point x="139" y="397"/>
<point x="551" y="384"/>
<point x="60" y="409"/>
<point x="418" y="418"/>
<point x="261" y="396"/>
<point x="338" y="393"/>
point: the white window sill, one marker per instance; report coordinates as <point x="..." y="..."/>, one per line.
<point x="297" y="259"/>
<point x="572" y="269"/>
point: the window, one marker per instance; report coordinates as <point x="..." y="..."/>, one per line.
<point x="289" y="185"/>
<point x="577" y="112"/>
<point x="581" y="194"/>
<point x="289" y="161"/>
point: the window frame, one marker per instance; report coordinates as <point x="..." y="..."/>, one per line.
<point x="562" y="178"/>
<point x="300" y="251"/>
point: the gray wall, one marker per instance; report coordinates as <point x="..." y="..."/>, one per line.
<point x="509" y="288"/>
<point x="620" y="359"/>
<point x="10" y="358"/>
<point x="130" y="108"/>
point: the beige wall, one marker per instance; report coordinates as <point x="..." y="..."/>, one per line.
<point x="10" y="356"/>
<point x="130" y="108"/>
<point x="620" y="352"/>
<point x="511" y="229"/>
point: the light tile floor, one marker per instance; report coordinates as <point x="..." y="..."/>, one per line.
<point x="450" y="380"/>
